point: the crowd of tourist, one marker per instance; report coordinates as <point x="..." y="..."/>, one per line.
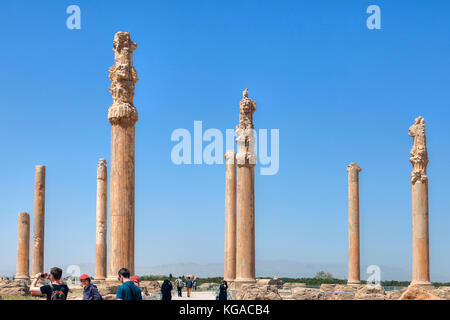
<point x="128" y="290"/>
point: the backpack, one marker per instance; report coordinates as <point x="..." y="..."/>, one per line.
<point x="57" y="294"/>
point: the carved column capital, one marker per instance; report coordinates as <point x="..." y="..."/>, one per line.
<point x="419" y="154"/>
<point x="245" y="133"/>
<point x="229" y="156"/>
<point x="101" y="169"/>
<point x="353" y="167"/>
<point x="123" y="77"/>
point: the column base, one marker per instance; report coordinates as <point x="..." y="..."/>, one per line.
<point x="111" y="279"/>
<point x="22" y="278"/>
<point x="238" y="283"/>
<point x="353" y="283"/>
<point x="420" y="283"/>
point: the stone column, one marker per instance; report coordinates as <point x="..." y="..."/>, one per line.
<point x="123" y="116"/>
<point x="38" y="221"/>
<point x="101" y="212"/>
<point x="419" y="180"/>
<point x="245" y="220"/>
<point x="353" y="224"/>
<point x="230" y="217"/>
<point x="23" y="247"/>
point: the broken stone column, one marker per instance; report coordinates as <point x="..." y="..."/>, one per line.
<point x="353" y="224"/>
<point x="101" y="212"/>
<point x="23" y="247"/>
<point x="245" y="220"/>
<point x="230" y="217"/>
<point x="37" y="264"/>
<point x="123" y="116"/>
<point x="419" y="180"/>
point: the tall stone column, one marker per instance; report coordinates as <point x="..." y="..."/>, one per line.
<point x="101" y="212"/>
<point x="230" y="216"/>
<point x="123" y="116"/>
<point x="419" y="180"/>
<point x="37" y="264"/>
<point x="245" y="220"/>
<point x="23" y="247"/>
<point x="353" y="224"/>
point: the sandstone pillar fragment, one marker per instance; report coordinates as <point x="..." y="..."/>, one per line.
<point x="245" y="220"/>
<point x="230" y="216"/>
<point x="37" y="264"/>
<point x="23" y="247"/>
<point x="353" y="224"/>
<point x="101" y="217"/>
<point x="419" y="180"/>
<point x="123" y="116"/>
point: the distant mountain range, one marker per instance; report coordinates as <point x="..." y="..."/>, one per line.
<point x="264" y="268"/>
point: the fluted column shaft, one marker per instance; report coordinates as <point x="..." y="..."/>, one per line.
<point x="245" y="199"/>
<point x="230" y="217"/>
<point x="419" y="181"/>
<point x="23" y="247"/>
<point x="353" y="224"/>
<point x="101" y="218"/>
<point x="123" y="116"/>
<point x="37" y="264"/>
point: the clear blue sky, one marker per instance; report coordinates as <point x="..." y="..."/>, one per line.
<point x="337" y="91"/>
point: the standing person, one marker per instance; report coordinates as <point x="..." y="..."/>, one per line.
<point x="223" y="290"/>
<point x="128" y="290"/>
<point x="166" y="290"/>
<point x="179" y="284"/>
<point x="188" y="286"/>
<point x="137" y="282"/>
<point x="194" y="284"/>
<point x="55" y="291"/>
<point x="90" y="291"/>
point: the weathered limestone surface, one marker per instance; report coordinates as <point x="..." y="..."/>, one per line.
<point x="299" y="293"/>
<point x="151" y="286"/>
<point x="255" y="292"/>
<point x="339" y="291"/>
<point x="245" y="221"/>
<point x="420" y="292"/>
<point x="101" y="220"/>
<point x="123" y="116"/>
<point x="14" y="288"/>
<point x="37" y="264"/>
<point x="353" y="224"/>
<point x="23" y="247"/>
<point x="419" y="180"/>
<point x="370" y="292"/>
<point x="291" y="285"/>
<point x="230" y="216"/>
<point x="394" y="294"/>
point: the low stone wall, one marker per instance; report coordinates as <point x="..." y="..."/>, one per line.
<point x="369" y="292"/>
<point x="257" y="292"/>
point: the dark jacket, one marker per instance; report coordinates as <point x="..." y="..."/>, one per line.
<point x="166" y="290"/>
<point x="223" y="291"/>
<point x="188" y="283"/>
<point x="91" y="293"/>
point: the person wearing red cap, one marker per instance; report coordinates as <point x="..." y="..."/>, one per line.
<point x="90" y="291"/>
<point x="137" y="282"/>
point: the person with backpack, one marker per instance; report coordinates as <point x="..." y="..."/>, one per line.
<point x="137" y="281"/>
<point x="179" y="283"/>
<point x="194" y="283"/>
<point x="128" y="290"/>
<point x="188" y="286"/>
<point x="90" y="291"/>
<point x="56" y="290"/>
